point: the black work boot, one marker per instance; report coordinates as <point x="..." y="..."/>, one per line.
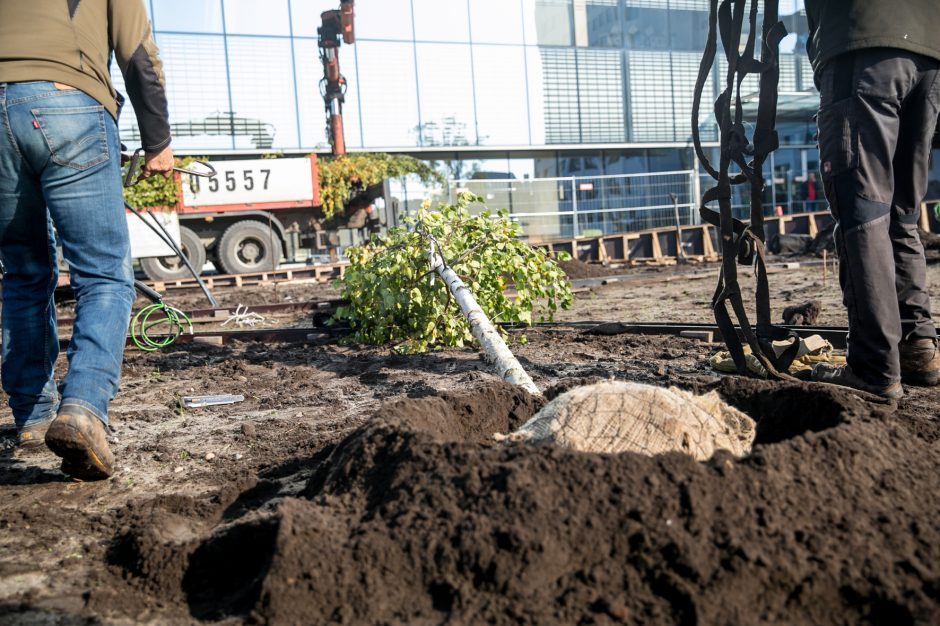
<point x="80" y="438"/>
<point x="844" y="376"/>
<point x="920" y="362"/>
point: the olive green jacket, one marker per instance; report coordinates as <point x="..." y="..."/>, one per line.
<point x="837" y="26"/>
<point x="71" y="41"/>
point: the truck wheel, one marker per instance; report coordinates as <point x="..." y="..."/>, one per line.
<point x="171" y="267"/>
<point x="249" y="246"/>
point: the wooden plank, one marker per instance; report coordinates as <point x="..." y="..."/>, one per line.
<point x="657" y="250"/>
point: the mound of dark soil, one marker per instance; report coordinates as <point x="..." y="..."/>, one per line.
<point x="579" y="269"/>
<point x="804" y="314"/>
<point x="419" y="518"/>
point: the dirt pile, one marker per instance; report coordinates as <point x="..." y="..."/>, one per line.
<point x="576" y="269"/>
<point x="418" y="517"/>
<point x="804" y="314"/>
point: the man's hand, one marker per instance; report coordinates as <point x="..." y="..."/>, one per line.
<point x="157" y="163"/>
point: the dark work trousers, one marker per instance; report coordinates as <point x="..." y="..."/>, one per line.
<point x="878" y="110"/>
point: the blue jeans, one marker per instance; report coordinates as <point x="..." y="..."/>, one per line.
<point x="60" y="165"/>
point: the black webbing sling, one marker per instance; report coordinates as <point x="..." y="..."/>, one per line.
<point x="743" y="242"/>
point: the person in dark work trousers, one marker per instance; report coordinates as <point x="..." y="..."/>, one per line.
<point x="60" y="164"/>
<point x="876" y="64"/>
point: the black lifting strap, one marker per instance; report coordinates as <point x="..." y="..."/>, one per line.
<point x="743" y="242"/>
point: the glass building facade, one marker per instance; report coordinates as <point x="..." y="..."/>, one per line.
<point x="520" y="88"/>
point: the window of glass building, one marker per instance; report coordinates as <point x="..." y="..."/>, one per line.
<point x="582" y="95"/>
<point x="797" y="131"/>
<point x="688" y="29"/>
<point x="679" y="5"/>
<point x="312" y="116"/>
<point x="624" y="161"/>
<point x="684" y="72"/>
<point x="600" y="95"/>
<point x="646" y="29"/>
<point x="793" y="16"/>
<point x="262" y="84"/>
<point x="387" y="93"/>
<point x="805" y="82"/>
<point x="668" y="160"/>
<point x="452" y="166"/>
<point x="501" y="101"/>
<point x="548" y="22"/>
<point x="496" y="21"/>
<point x="626" y="192"/>
<point x="388" y="19"/>
<point x="305" y="15"/>
<point x="535" y="85"/>
<point x="496" y="168"/>
<point x="197" y="93"/>
<point x="581" y="163"/>
<point x="441" y="20"/>
<point x="651" y="96"/>
<point x="750" y="85"/>
<point x="188" y="16"/>
<point x="792" y="180"/>
<point x="127" y="124"/>
<point x="525" y="167"/>
<point x="545" y="166"/>
<point x="559" y="82"/>
<point x="445" y="89"/>
<point x="604" y="24"/>
<point x="788" y="72"/>
<point x="249" y="17"/>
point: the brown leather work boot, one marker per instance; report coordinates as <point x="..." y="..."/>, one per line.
<point x="920" y="362"/>
<point x="844" y="376"/>
<point x="80" y="439"/>
<point x="32" y="437"/>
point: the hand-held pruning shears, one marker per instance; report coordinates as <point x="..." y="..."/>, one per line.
<point x="133" y="169"/>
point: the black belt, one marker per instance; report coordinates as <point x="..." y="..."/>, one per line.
<point x="743" y="242"/>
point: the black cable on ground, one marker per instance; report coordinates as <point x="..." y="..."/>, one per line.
<point x="164" y="235"/>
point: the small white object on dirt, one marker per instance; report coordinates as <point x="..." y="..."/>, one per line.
<point x="244" y="317"/>
<point x="198" y="402"/>
<point x="210" y="456"/>
<point x="179" y="469"/>
<point x="614" y="416"/>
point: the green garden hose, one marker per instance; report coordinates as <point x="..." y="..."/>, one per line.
<point x="154" y="315"/>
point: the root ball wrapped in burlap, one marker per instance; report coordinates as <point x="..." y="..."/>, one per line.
<point x="612" y="417"/>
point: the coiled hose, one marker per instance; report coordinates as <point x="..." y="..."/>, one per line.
<point x="157" y="314"/>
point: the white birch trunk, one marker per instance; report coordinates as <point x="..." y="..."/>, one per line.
<point x="496" y="350"/>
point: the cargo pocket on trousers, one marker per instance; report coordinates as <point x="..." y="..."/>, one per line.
<point x="76" y="136"/>
<point x="837" y="136"/>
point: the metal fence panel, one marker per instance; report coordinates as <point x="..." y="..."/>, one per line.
<point x="551" y="208"/>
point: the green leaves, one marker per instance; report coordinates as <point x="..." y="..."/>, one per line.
<point x="156" y="191"/>
<point x="338" y="175"/>
<point x="391" y="296"/>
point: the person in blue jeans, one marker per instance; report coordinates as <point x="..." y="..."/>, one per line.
<point x="60" y="161"/>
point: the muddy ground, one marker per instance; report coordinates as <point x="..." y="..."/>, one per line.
<point x="358" y="486"/>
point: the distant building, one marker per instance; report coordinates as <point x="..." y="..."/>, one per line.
<point x="532" y="88"/>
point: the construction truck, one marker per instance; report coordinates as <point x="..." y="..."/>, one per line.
<point x="256" y="213"/>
